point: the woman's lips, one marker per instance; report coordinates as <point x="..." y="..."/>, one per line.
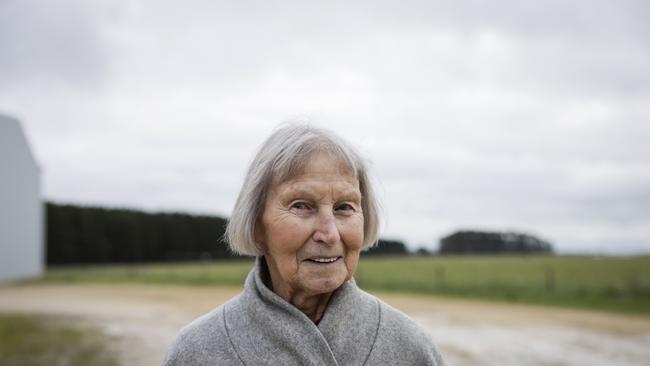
<point x="324" y="260"/>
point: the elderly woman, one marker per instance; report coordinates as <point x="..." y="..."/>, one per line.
<point x="306" y="210"/>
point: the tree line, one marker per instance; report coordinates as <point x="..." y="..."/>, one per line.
<point x="478" y="242"/>
<point x="77" y="234"/>
<point x="87" y="234"/>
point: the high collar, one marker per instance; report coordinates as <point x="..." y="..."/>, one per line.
<point x="264" y="328"/>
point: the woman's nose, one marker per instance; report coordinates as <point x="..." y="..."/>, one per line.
<point x="326" y="230"/>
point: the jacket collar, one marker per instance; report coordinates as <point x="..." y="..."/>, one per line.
<point x="264" y="328"/>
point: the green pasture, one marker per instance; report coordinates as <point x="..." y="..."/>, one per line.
<point x="29" y="340"/>
<point x="620" y="284"/>
<point x="602" y="283"/>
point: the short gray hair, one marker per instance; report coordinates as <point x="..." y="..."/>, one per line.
<point x="281" y="157"/>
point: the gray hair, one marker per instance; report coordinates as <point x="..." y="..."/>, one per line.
<point x="281" y="157"/>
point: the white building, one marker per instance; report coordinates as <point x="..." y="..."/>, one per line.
<point x="21" y="209"/>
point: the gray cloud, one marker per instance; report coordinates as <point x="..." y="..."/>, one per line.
<point x="503" y="115"/>
<point x="52" y="41"/>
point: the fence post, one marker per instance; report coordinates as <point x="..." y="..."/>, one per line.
<point x="633" y="281"/>
<point x="440" y="276"/>
<point x="549" y="278"/>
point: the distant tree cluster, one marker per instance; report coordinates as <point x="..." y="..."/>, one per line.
<point x="492" y="242"/>
<point x="387" y="247"/>
<point x="80" y="234"/>
<point x="98" y="235"/>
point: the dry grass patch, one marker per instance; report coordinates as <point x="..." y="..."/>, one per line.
<point x="34" y="340"/>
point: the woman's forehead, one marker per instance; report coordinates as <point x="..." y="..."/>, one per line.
<point x="318" y="164"/>
<point x="318" y="190"/>
<point x="320" y="178"/>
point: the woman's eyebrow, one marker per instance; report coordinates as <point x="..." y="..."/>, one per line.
<point x="344" y="195"/>
<point x="299" y="192"/>
<point x="350" y="194"/>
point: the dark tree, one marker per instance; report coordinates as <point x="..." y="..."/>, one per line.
<point x="480" y="242"/>
<point x="77" y="234"/>
<point x="422" y="252"/>
<point x="388" y="247"/>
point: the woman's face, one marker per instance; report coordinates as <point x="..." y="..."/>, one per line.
<point x="312" y="229"/>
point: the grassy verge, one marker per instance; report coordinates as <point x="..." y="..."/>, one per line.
<point x="221" y="273"/>
<point x="604" y="283"/>
<point x="27" y="340"/>
<point x="601" y="283"/>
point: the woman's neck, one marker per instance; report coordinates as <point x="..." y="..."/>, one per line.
<point x="312" y="305"/>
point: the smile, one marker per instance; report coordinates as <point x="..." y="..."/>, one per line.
<point x="324" y="260"/>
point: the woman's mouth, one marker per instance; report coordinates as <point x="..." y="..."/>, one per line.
<point x="324" y="260"/>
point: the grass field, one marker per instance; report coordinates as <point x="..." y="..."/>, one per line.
<point x="617" y="284"/>
<point x="38" y="340"/>
<point x="603" y="283"/>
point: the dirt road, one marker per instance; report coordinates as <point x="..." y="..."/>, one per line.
<point x="144" y="319"/>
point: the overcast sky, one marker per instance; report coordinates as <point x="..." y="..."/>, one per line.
<point x="497" y="115"/>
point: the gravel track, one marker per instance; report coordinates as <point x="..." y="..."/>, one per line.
<point x="142" y="321"/>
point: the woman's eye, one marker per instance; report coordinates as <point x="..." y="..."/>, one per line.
<point x="344" y="207"/>
<point x="300" y="206"/>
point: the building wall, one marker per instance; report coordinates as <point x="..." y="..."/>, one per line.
<point x="21" y="209"/>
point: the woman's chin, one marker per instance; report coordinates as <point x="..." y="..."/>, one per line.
<point x="324" y="285"/>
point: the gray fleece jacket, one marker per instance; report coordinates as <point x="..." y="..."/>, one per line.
<point x="257" y="327"/>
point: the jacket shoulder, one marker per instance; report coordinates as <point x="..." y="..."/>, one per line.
<point x="204" y="341"/>
<point x="400" y="335"/>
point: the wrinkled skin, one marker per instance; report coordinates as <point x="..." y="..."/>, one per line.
<point x="311" y="231"/>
